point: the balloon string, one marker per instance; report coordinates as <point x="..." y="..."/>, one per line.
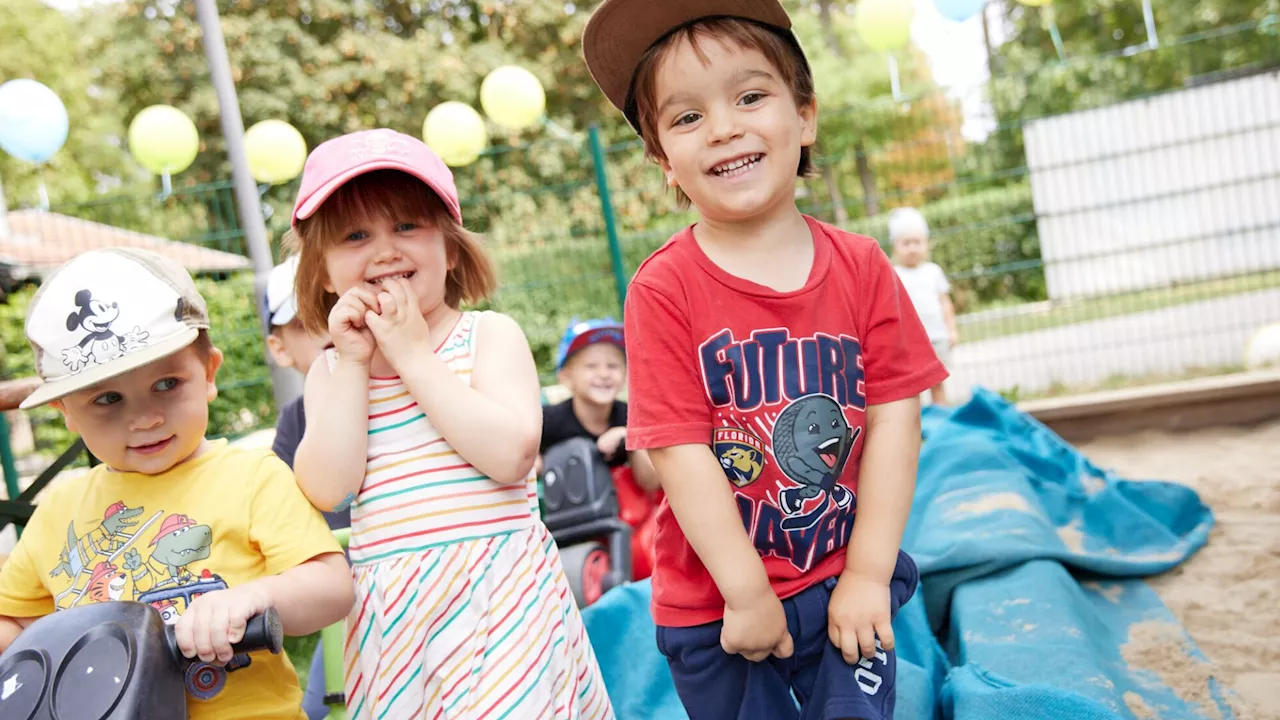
<point x="267" y="210"/>
<point x="166" y="184"/>
<point x="44" y="192"/>
<point x="560" y="132"/>
<point x="894" y="81"/>
<point x="1149" y="18"/>
<point x="1055" y="35"/>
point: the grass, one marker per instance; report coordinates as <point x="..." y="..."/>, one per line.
<point x="1071" y="312"/>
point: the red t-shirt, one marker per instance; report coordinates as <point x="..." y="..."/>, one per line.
<point x="778" y="385"/>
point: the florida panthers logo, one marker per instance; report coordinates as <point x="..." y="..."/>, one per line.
<point x="741" y="454"/>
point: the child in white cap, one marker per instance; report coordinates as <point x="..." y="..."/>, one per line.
<point x="293" y="346"/>
<point x="926" y="284"/>
<point x="121" y="341"/>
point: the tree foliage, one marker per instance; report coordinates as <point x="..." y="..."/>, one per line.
<point x="333" y="66"/>
<point x="1108" y="56"/>
<point x="43" y="44"/>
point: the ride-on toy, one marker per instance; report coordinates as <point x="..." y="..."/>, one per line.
<point x="600" y="519"/>
<point x="112" y="661"/>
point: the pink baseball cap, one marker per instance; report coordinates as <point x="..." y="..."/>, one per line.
<point x="336" y="161"/>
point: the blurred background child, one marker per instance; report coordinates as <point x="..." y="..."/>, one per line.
<point x="293" y="346"/>
<point x="926" y="284"/>
<point x="591" y="364"/>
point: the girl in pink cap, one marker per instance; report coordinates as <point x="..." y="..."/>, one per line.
<point x="425" y="421"/>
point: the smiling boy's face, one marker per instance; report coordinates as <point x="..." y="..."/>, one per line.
<point x="730" y="129"/>
<point x="149" y="419"/>
<point x="596" y="373"/>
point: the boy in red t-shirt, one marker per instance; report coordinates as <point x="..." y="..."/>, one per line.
<point x="776" y="364"/>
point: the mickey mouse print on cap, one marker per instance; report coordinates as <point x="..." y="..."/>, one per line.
<point x="107" y="312"/>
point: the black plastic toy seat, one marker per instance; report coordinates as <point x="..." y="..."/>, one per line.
<point x="581" y="504"/>
<point x="106" y="661"/>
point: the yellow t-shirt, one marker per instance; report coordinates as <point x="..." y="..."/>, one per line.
<point x="221" y="519"/>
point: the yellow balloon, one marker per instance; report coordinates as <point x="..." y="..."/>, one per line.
<point x="276" y="151"/>
<point x="512" y="97"/>
<point x="163" y="139"/>
<point x="884" y="24"/>
<point x="1035" y="3"/>
<point x="456" y="132"/>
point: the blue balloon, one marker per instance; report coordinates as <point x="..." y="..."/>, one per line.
<point x="33" y="121"/>
<point x="959" y="10"/>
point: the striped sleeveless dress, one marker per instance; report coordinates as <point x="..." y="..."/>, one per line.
<point x="462" y="607"/>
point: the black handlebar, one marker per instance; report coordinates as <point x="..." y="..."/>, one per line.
<point x="261" y="632"/>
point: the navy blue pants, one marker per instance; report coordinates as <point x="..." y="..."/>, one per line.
<point x="714" y="685"/>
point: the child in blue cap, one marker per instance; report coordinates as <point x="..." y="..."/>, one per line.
<point x="591" y="364"/>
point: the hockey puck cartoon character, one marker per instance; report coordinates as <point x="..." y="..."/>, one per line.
<point x="811" y="442"/>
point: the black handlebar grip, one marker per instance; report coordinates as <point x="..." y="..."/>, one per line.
<point x="262" y="632"/>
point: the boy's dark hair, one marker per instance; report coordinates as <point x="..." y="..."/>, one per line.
<point x="781" y="52"/>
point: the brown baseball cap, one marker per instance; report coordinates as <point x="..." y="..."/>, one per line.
<point x="619" y="33"/>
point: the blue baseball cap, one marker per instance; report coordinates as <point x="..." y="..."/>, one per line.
<point x="588" y="332"/>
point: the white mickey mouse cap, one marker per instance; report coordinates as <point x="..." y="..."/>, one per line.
<point x="107" y="312"/>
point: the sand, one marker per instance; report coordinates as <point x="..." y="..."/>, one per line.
<point x="1227" y="595"/>
<point x="1162" y="649"/>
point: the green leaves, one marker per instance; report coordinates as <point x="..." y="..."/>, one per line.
<point x="46" y="45"/>
<point x="1107" y="57"/>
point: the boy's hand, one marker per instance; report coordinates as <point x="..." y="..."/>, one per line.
<point x="347" y="328"/>
<point x="757" y="629"/>
<point x="857" y="613"/>
<point x="398" y="325"/>
<point x="953" y="336"/>
<point x="611" y="441"/>
<point x="216" y="620"/>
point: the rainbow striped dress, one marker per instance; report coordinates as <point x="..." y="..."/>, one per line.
<point x="462" y="607"/>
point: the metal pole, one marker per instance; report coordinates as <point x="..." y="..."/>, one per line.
<point x="285" y="384"/>
<point x="7" y="461"/>
<point x="606" y="207"/>
<point x="6" y="450"/>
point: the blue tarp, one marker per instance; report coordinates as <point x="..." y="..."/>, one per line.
<point x="1031" y="603"/>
